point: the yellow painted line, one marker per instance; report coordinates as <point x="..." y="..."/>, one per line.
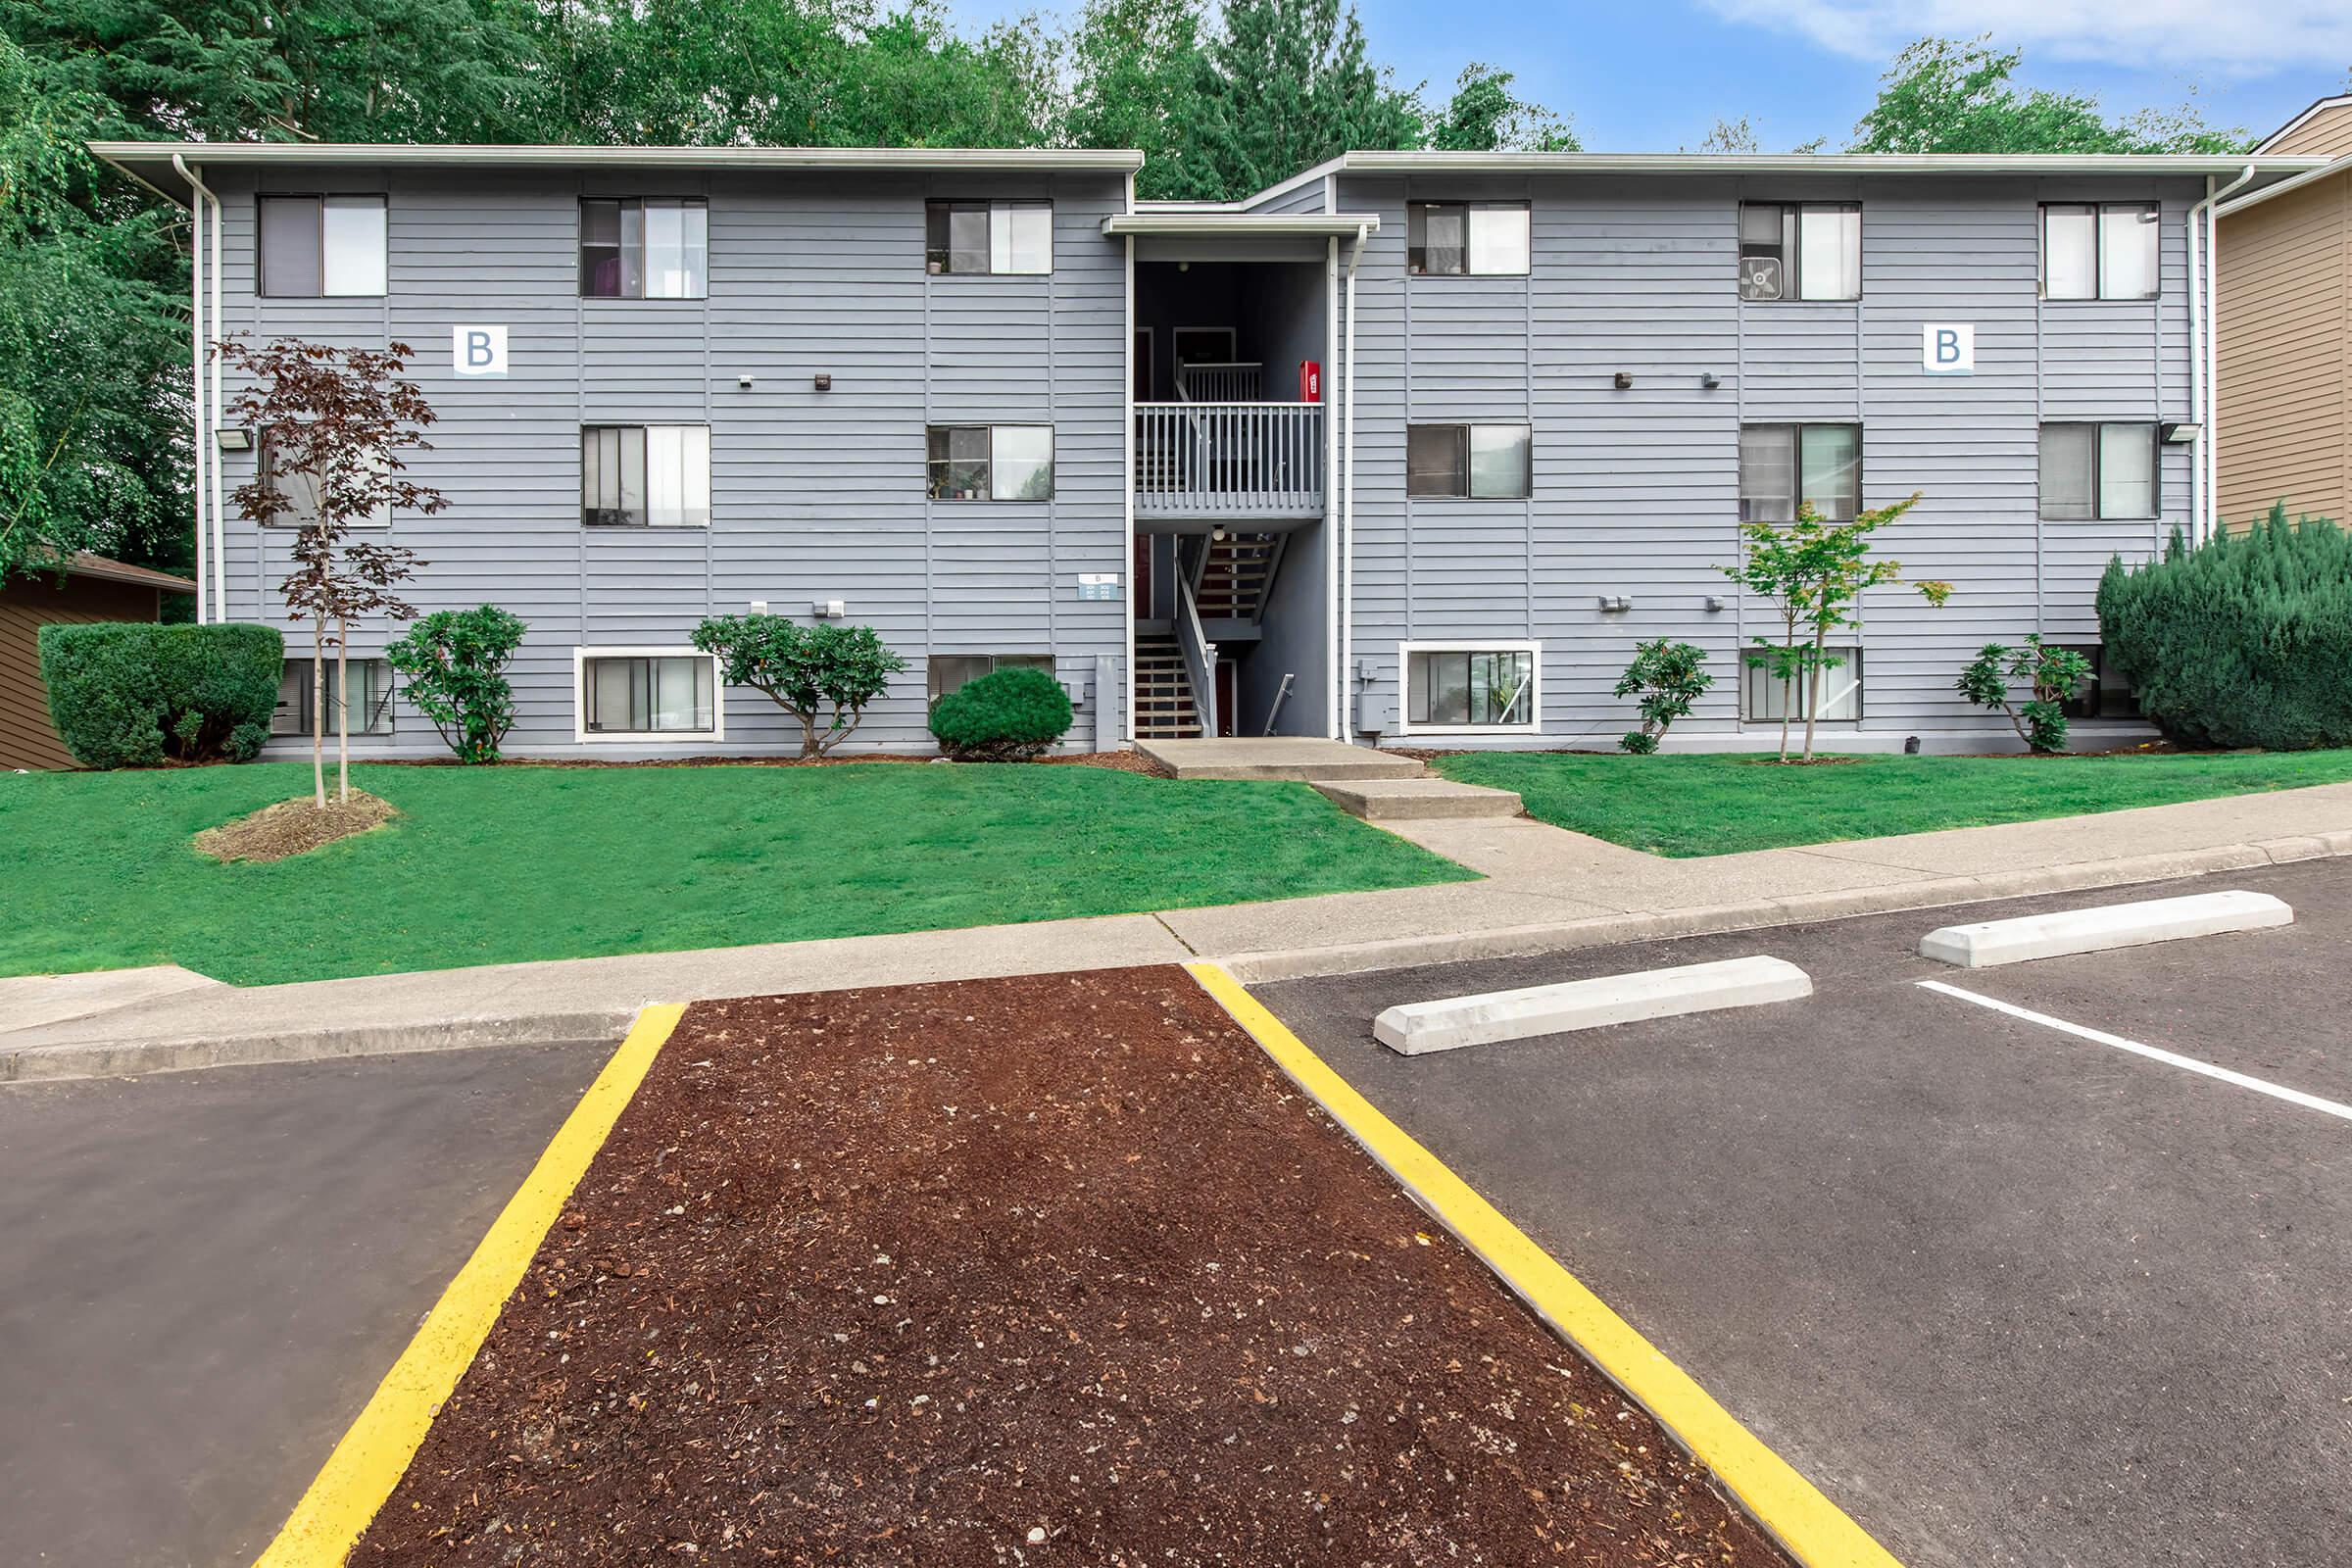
<point x="1814" y="1530"/>
<point x="375" y="1452"/>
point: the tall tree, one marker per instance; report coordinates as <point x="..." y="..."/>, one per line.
<point x="1292" y="85"/>
<point x="1943" y="95"/>
<point x="93" y="343"/>
<point x="1483" y="115"/>
<point x="1141" y="77"/>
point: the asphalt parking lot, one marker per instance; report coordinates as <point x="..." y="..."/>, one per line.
<point x="210" y="1271"/>
<point x="2007" y="1295"/>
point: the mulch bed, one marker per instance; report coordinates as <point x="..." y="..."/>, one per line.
<point x="294" y="827"/>
<point x="1117" y="762"/>
<point x="1051" y="1270"/>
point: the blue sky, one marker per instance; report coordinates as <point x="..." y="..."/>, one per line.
<point x="1651" y="75"/>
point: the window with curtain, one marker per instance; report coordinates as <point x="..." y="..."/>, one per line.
<point x="1467" y="239"/>
<point x="2101" y="250"/>
<point x="989" y="236"/>
<point x="1479" y="462"/>
<point x="1800" y="250"/>
<point x="649" y="247"/>
<point x="314" y="247"/>
<point x="649" y="694"/>
<point x="1478" y="688"/>
<point x="2100" y="472"/>
<point x="990" y="461"/>
<point x="645" y="475"/>
<point x="1781" y="465"/>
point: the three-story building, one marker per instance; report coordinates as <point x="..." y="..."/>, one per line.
<point x="1414" y="447"/>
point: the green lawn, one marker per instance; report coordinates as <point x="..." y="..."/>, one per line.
<point x="1716" y="804"/>
<point x="493" y="865"/>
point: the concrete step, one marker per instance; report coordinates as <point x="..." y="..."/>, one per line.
<point x="1278" y="757"/>
<point x="1417" y="800"/>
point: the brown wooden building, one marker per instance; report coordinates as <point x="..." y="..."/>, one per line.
<point x="93" y="588"/>
<point x="2283" y="315"/>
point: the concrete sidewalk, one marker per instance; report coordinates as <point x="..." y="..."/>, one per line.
<point x="1544" y="890"/>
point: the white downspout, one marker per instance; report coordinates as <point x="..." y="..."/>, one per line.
<point x="213" y="459"/>
<point x="196" y="423"/>
<point x="1348" y="720"/>
<point x="1333" y="687"/>
<point x="2205" y="365"/>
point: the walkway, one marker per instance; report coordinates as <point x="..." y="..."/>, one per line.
<point x="1545" y="890"/>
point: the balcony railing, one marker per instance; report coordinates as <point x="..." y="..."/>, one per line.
<point x="1229" y="460"/>
<point x="1228" y="381"/>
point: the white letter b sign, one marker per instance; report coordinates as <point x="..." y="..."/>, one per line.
<point x="1947" y="349"/>
<point x="478" y="350"/>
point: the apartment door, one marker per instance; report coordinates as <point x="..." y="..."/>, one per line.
<point x="1228" y="697"/>
<point x="1142" y="585"/>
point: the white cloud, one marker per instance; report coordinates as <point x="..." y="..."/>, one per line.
<point x="2172" y="34"/>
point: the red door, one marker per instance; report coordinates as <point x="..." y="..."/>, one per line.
<point x="1143" y="576"/>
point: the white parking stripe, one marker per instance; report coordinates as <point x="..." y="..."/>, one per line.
<point x="2154" y="1054"/>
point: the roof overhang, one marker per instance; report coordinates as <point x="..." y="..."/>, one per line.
<point x="2268" y="166"/>
<point x="151" y="161"/>
<point x="1225" y="221"/>
<point x="2326" y="171"/>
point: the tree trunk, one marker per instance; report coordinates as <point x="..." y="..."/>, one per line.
<point x="343" y="711"/>
<point x="1813" y="708"/>
<point x="319" y="712"/>
<point x="808" y="746"/>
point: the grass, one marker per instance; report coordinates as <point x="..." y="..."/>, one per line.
<point x="1718" y="805"/>
<point x="496" y="866"/>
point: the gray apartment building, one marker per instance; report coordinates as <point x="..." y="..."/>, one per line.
<point x="1412" y="448"/>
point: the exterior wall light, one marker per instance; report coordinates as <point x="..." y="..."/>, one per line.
<point x="1709" y="379"/>
<point x="2182" y="433"/>
<point x="1625" y="380"/>
<point x="824" y="382"/>
<point x="233" y="438"/>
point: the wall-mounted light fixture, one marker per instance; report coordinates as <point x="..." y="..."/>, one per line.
<point x="1615" y="601"/>
<point x="1715" y="604"/>
<point x="828" y="610"/>
<point x="1625" y="380"/>
<point x="233" y="438"/>
<point x="824" y="382"/>
<point x="1709" y="379"/>
<point x="744" y="381"/>
<point x="2183" y="434"/>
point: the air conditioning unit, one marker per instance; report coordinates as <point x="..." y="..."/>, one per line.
<point x="1759" y="278"/>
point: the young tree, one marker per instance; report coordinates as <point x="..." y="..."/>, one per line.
<point x="1670" y="679"/>
<point x="334" y="423"/>
<point x="823" y="672"/>
<point x="455" y="665"/>
<point x="2051" y="674"/>
<point x="1814" y="572"/>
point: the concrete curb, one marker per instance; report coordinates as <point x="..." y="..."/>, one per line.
<point x="2103" y="928"/>
<point x="1523" y="941"/>
<point x="100" y="1058"/>
<point x="1527" y="1012"/>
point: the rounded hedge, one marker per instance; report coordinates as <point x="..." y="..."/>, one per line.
<point x="1009" y="716"/>
<point x="2244" y="641"/>
<point x="131" y="695"/>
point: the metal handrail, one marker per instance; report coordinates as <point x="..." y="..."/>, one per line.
<point x="1200" y="656"/>
<point x="1229" y="459"/>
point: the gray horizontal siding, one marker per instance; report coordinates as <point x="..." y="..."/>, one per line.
<point x="815" y="496"/>
<point x="1635" y="491"/>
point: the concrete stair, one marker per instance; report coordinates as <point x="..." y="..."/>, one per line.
<point x="1417" y="800"/>
<point x="1297" y="758"/>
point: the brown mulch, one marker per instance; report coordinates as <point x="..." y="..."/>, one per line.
<point x="1053" y="1269"/>
<point x="295" y="827"/>
<point x="1118" y="762"/>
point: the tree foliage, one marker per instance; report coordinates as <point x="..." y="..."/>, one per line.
<point x="825" y="673"/>
<point x="1668" y="678"/>
<point x="1945" y="95"/>
<point x="2051" y="676"/>
<point x="1813" y="572"/>
<point x="453" y="665"/>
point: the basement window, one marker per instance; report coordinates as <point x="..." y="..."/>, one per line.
<point x="368" y="686"/>
<point x="1470" y="687"/>
<point x="1768" y="698"/>
<point x="647" y="692"/>
<point x="952" y="673"/>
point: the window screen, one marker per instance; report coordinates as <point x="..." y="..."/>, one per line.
<point x="1454" y="239"/>
<point x="1781" y="465"/>
<point x="653" y="247"/>
<point x="1769" y="699"/>
<point x="319" y="246"/>
<point x="366" y="682"/>
<point x="1437" y="459"/>
<point x="983" y="237"/>
<point x="645" y="475"/>
<point x="2099" y="470"/>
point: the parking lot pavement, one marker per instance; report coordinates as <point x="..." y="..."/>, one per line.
<point x="210" y="1271"/>
<point x="2008" y="1295"/>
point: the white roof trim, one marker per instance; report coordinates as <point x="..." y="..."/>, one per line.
<point x="1804" y="162"/>
<point x="1228" y="223"/>
<point x="2332" y="100"/>
<point x="307" y="155"/>
<point x="2256" y="198"/>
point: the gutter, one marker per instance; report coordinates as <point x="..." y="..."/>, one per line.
<point x="204" y="462"/>
<point x="1347" y="671"/>
<point x="2204" y="360"/>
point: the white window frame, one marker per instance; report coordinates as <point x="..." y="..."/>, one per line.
<point x="1793" y="216"/>
<point x="1476" y="645"/>
<point x="1854" y="663"/>
<point x="2098" y="252"/>
<point x="580" y="731"/>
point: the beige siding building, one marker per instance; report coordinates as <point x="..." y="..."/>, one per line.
<point x="2285" y="331"/>
<point x="91" y="588"/>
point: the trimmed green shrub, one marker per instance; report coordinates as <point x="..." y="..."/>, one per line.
<point x="2244" y="641"/>
<point x="454" y="668"/>
<point x="132" y="695"/>
<point x="1007" y="717"/>
<point x="1669" y="679"/>
<point x="827" y="671"/>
